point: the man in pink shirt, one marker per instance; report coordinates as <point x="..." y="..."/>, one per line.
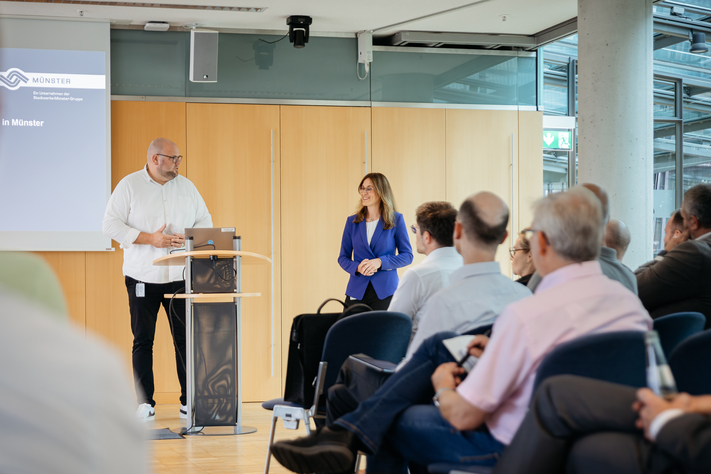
<point x="473" y="420"/>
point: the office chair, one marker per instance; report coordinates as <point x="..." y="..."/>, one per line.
<point x="674" y="328"/>
<point x="382" y="335"/>
<point x="690" y="363"/>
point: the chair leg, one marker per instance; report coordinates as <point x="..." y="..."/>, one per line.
<point x="269" y="445"/>
<point x="357" y="466"/>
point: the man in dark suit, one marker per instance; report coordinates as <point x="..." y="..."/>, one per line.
<point x="681" y="281"/>
<point x="584" y="426"/>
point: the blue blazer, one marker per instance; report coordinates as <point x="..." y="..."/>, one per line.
<point x="355" y="249"/>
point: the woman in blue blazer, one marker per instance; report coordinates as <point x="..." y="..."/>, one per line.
<point x="375" y="244"/>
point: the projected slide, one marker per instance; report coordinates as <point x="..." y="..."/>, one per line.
<point x="53" y="176"/>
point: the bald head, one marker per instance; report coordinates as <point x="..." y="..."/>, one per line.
<point x="484" y="217"/>
<point x="601" y="194"/>
<point x="617" y="236"/>
<point x="161" y="146"/>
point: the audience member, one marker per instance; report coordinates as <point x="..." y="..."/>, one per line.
<point x="433" y="237"/>
<point x="607" y="257"/>
<point x="584" y="426"/>
<point x="522" y="260"/>
<point x="480" y="415"/>
<point x="476" y="296"/>
<point x="617" y="237"/>
<point x="66" y="402"/>
<point x="674" y="228"/>
<point x="681" y="281"/>
<point x="478" y="292"/>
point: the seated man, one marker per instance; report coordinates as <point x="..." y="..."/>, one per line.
<point x="433" y="234"/>
<point x="617" y="237"/>
<point x="477" y="294"/>
<point x="475" y="419"/>
<point x="674" y="228"/>
<point x="681" y="281"/>
<point x="607" y="257"/>
<point x="585" y="426"/>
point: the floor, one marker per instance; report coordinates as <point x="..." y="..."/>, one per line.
<point x="217" y="454"/>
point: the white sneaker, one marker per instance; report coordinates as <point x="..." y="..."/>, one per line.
<point x="184" y="412"/>
<point x="145" y="412"/>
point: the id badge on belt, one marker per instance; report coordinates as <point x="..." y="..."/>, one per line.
<point x="140" y="290"/>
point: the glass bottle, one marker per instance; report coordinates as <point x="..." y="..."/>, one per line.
<point x="659" y="376"/>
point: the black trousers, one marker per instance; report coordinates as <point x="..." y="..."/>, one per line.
<point x="144" y="315"/>
<point x="581" y="426"/>
<point x="353" y="386"/>
<point x="371" y="299"/>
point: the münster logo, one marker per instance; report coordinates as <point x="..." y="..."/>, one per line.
<point x="13" y="78"/>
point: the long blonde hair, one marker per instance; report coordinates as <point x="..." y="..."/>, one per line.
<point x="387" y="201"/>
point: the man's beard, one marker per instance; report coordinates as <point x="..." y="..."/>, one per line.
<point x="168" y="175"/>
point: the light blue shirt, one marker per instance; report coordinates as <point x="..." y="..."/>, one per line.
<point x="476" y="295"/>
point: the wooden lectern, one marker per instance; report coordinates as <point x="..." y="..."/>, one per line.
<point x="213" y="333"/>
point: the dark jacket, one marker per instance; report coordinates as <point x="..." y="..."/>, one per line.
<point x="681" y="281"/>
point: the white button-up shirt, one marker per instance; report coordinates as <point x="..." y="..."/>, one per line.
<point x="139" y="204"/>
<point x="420" y="282"/>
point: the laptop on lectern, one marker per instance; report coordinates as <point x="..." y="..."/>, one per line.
<point x="211" y="238"/>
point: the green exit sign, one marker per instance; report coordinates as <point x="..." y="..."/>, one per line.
<point x="557" y="139"/>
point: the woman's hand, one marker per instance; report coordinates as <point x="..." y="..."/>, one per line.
<point x="369" y="267"/>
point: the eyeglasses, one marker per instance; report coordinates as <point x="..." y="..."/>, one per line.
<point x="367" y="190"/>
<point x="513" y="250"/>
<point x="413" y="229"/>
<point x="174" y="159"/>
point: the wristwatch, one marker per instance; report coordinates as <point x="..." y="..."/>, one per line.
<point x="435" y="399"/>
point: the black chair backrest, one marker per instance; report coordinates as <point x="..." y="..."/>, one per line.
<point x="674" y="328"/>
<point x="690" y="363"/>
<point x="382" y="335"/>
<point x="617" y="357"/>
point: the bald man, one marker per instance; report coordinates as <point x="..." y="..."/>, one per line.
<point x="617" y="237"/>
<point x="147" y="215"/>
<point x="474" y="418"/>
<point x="611" y="266"/>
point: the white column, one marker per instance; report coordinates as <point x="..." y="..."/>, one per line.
<point x="615" y="112"/>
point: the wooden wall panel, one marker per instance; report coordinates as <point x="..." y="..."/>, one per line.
<point x="133" y="126"/>
<point x="323" y="154"/>
<point x="230" y="148"/>
<point x="479" y="153"/>
<point x="409" y="148"/>
<point x="530" y="164"/>
<point x="70" y="269"/>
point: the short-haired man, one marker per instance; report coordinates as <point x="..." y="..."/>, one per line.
<point x="147" y="214"/>
<point x="674" y="228"/>
<point x="617" y="237"/>
<point x="681" y="281"/>
<point x="474" y="419"/>
<point x="611" y="266"/>
<point x="433" y="234"/>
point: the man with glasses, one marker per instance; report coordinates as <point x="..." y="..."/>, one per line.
<point x="681" y="280"/>
<point x="147" y="215"/>
<point x="474" y="418"/>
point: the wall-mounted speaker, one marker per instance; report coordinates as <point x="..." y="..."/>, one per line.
<point x="203" y="56"/>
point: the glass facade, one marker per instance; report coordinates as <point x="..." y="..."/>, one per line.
<point x="682" y="112"/>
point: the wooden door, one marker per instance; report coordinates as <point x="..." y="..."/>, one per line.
<point x="323" y="160"/>
<point x="409" y="148"/>
<point x="233" y="159"/>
